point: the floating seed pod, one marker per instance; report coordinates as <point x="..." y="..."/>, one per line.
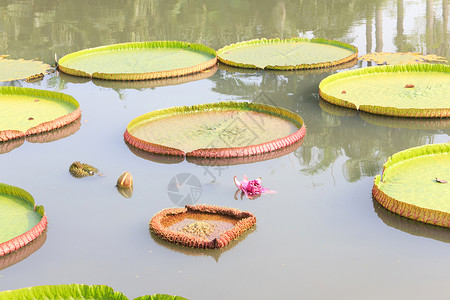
<point x="78" y="169"/>
<point x="125" y="180"/>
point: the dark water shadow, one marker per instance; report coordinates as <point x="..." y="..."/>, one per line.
<point x="172" y="159"/>
<point x="158" y="158"/>
<point x="410" y="226"/>
<point x="214" y="253"/>
<point x="21" y="254"/>
<point x="402" y="122"/>
<point x="336" y="110"/>
<point x="44" y="137"/>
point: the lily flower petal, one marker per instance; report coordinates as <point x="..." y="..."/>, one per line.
<point x="251" y="188"/>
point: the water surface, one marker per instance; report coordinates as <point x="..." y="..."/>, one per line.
<point x="320" y="236"/>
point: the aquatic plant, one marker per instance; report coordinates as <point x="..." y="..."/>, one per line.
<point x="419" y="91"/>
<point x="26" y="111"/>
<point x="413" y="184"/>
<point x="76" y="291"/>
<point x="217" y="130"/>
<point x="287" y="54"/>
<point x="201" y="226"/>
<point x="139" y="61"/>
<point x="15" y="69"/>
<point x="20" y="220"/>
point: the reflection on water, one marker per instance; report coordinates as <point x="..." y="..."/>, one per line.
<point x="214" y="253"/>
<point x="411" y="226"/>
<point x="45" y="137"/>
<point x="21" y="254"/>
<point x="52" y="27"/>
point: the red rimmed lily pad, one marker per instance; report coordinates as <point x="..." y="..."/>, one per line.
<point x="20" y="220"/>
<point x="201" y="226"/>
<point x="26" y="111"/>
<point x="217" y="130"/>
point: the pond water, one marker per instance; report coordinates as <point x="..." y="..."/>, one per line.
<point x="320" y="236"/>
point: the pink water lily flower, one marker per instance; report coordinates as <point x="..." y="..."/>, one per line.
<point x="251" y="188"/>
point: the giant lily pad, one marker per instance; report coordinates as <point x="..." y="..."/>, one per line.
<point x="219" y="130"/>
<point x="15" y="69"/>
<point x="420" y="91"/>
<point x="26" y="111"/>
<point x="20" y="220"/>
<point x="139" y="61"/>
<point x="76" y="291"/>
<point x="201" y="226"/>
<point x="413" y="184"/>
<point x="287" y="54"/>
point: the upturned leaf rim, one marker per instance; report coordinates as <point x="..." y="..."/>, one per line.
<point x="30" y="235"/>
<point x="408" y="210"/>
<point x="141" y="75"/>
<point x="218" y="152"/>
<point x="265" y="41"/>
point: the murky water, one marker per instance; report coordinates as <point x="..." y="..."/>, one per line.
<point x="320" y="236"/>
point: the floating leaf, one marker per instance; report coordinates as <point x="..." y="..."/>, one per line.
<point x="201" y="226"/>
<point x="400" y="58"/>
<point x="20" y="221"/>
<point x="287" y="54"/>
<point x="139" y="61"/>
<point x="15" y="69"/>
<point x="403" y="190"/>
<point x="26" y="111"/>
<point x="426" y="94"/>
<point x="76" y="291"/>
<point x="217" y="130"/>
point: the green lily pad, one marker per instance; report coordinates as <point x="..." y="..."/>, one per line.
<point x="75" y="291"/>
<point x="26" y="111"/>
<point x="139" y="61"/>
<point x="413" y="184"/>
<point x="220" y="130"/>
<point x="20" y="221"/>
<point x="420" y="91"/>
<point x="287" y="54"/>
<point x="15" y="69"/>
